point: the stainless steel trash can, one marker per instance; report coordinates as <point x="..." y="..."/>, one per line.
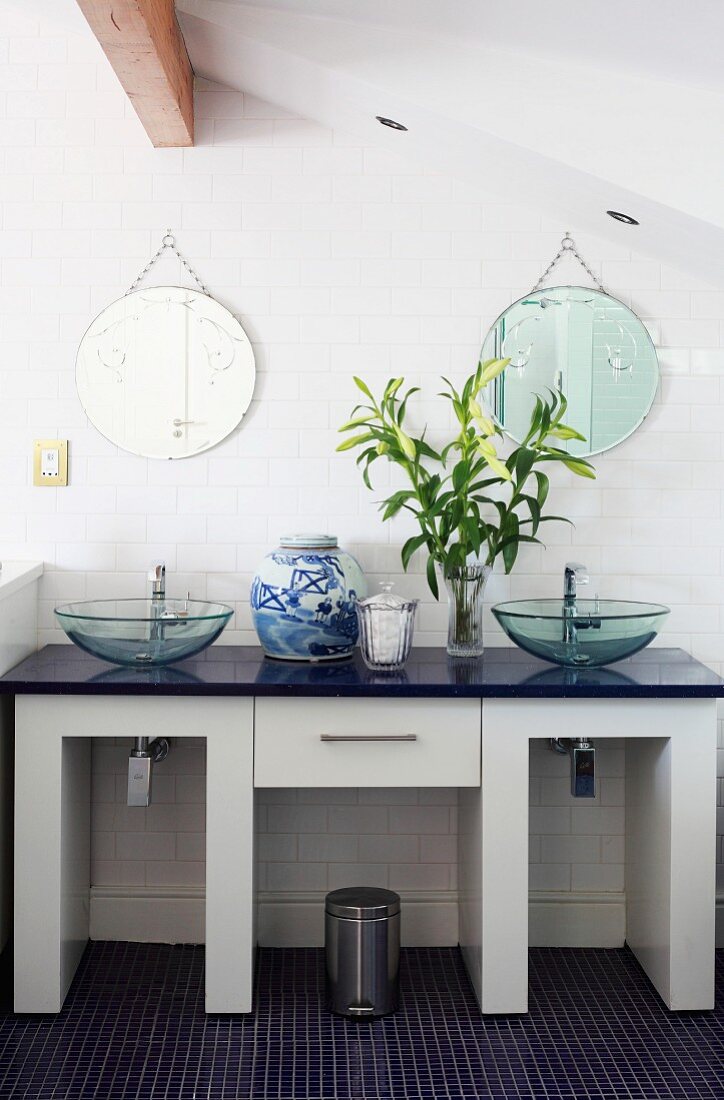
<point x="362" y="940"/>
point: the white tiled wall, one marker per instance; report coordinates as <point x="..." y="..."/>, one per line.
<point x="338" y="259"/>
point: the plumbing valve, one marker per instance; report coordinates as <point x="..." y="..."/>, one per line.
<point x="583" y="763"/>
<point x="143" y="755"/>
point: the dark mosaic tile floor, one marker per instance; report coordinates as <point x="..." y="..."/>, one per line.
<point x="134" y="1026"/>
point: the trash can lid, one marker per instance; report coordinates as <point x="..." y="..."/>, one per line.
<point x="362" y="903"/>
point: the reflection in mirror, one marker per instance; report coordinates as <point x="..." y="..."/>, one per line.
<point x="585" y="343"/>
<point x="165" y="372"/>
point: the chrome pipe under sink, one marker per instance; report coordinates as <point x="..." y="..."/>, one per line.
<point x="583" y="763"/>
<point x="143" y="756"/>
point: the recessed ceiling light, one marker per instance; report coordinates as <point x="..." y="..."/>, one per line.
<point x="619" y="217"/>
<point x="390" y="122"/>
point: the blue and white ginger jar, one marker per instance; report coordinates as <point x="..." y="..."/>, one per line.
<point x="302" y="599"/>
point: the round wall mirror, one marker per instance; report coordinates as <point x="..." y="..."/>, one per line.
<point x="165" y="372"/>
<point x="588" y="345"/>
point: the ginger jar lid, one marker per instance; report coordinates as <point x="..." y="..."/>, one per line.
<point x="308" y="541"/>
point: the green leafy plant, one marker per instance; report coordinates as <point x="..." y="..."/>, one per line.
<point x="466" y="499"/>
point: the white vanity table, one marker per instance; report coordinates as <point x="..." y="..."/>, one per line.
<point x="18" y="638"/>
<point x="440" y="723"/>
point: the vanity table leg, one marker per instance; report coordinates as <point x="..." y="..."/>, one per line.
<point x="230" y="897"/>
<point x="52" y="857"/>
<point x="493" y="858"/>
<point x="670" y="856"/>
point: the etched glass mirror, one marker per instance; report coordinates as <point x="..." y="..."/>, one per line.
<point x="585" y="343"/>
<point x="165" y="372"/>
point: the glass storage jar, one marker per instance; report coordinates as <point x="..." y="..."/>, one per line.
<point x="386" y="627"/>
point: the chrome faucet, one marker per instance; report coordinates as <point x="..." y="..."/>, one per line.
<point x="573" y="575"/>
<point x="157" y="580"/>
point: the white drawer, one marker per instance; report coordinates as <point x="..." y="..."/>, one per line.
<point x="367" y="742"/>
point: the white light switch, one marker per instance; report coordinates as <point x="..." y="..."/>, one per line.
<point x="50" y="462"/>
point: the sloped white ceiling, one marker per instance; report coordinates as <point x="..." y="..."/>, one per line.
<point x="573" y="108"/>
<point x="661" y="39"/>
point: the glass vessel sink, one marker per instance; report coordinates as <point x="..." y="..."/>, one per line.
<point x="578" y="633"/>
<point x="143" y="633"/>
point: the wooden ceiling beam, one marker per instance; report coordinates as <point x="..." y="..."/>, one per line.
<point x="143" y="42"/>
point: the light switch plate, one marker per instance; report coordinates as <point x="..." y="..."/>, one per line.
<point x="50" y="462"/>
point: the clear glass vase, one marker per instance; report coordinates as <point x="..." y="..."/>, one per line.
<point x="465" y="591"/>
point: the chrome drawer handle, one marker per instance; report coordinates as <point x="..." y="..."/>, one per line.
<point x="368" y="737"/>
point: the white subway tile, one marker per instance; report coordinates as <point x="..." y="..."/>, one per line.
<point x="419" y="876"/>
<point x="419" y="819"/>
<point x="570" y="849"/>
<point x="285" y="877"/>
<point x="597" y="876"/>
<point x="389" y="849"/>
<point x="327" y="848"/>
<point x="145" y="846"/>
<point x="175" y="873"/>
<point x="549" y="876"/>
<point x="190" y="847"/>
<point x="550" y="820"/>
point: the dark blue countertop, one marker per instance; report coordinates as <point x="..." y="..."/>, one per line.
<point x="506" y="673"/>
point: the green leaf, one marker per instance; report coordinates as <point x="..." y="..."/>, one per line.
<point x="545" y="419"/>
<point x="403" y="404"/>
<point x="392" y="387"/>
<point x="460" y="475"/>
<point x="543" y="487"/>
<point x="389" y="510"/>
<point x="410" y="547"/>
<point x="473" y="533"/>
<point x="425" y="449"/>
<point x="361" y="386"/>
<point x="534" y="510"/>
<point x="510" y="547"/>
<point x="524" y="459"/>
<point x="447" y="449"/>
<point x="560" y="399"/>
<point x="432" y="578"/>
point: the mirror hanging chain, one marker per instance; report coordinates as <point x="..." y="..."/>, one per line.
<point x="167" y="241"/>
<point x="568" y="247"/>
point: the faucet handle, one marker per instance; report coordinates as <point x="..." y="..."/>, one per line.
<point x="157" y="570"/>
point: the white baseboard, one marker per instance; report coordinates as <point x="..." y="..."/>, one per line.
<point x="558" y="919"/>
<point x="430" y="919"/>
<point x="148" y="914"/>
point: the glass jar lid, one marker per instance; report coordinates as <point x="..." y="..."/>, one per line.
<point x="308" y="541"/>
<point x="386" y="599"/>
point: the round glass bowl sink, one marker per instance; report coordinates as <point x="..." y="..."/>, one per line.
<point x="581" y="633"/>
<point x="143" y="633"/>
